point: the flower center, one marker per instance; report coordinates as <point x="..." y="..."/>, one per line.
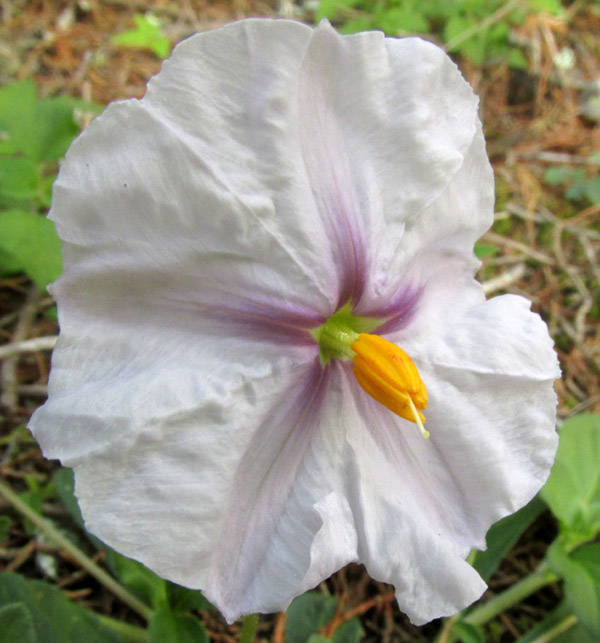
<point x="382" y="369"/>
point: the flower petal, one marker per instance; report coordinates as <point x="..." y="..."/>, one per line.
<point x="385" y="125"/>
<point x="431" y="263"/>
<point x="491" y="415"/>
<point x="242" y="484"/>
<point x="201" y="184"/>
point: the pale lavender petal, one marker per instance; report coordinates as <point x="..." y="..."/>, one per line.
<point x="384" y="127"/>
<point x="262" y="485"/>
<point x="432" y="253"/>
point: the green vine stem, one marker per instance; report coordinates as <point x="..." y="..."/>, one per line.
<point x="127" y="633"/>
<point x="249" y="628"/>
<point x="540" y="577"/>
<point x="560" y="628"/>
<point x="48" y="529"/>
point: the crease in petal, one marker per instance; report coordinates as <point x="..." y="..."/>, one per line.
<point x="373" y="110"/>
<point x="261" y="488"/>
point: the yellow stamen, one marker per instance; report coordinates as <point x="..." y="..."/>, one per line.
<point x="388" y="375"/>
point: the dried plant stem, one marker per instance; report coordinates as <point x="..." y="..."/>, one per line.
<point x="8" y="371"/>
<point x="481" y="26"/>
<point x="28" y="346"/>
<point x="48" y="529"/>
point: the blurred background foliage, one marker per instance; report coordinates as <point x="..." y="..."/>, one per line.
<point x="535" y="65"/>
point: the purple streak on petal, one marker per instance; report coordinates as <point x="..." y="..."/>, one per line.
<point x="333" y="181"/>
<point x="263" y="482"/>
<point x="398" y="312"/>
<point x="343" y="226"/>
<point x="266" y="319"/>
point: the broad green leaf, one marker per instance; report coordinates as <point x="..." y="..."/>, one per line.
<point x="307" y="615"/>
<point x="41" y="129"/>
<point x="467" y="633"/>
<point x="31" y="242"/>
<point x="55" y="619"/>
<point x="349" y="632"/>
<point x="16" y="624"/>
<point x="317" y="638"/>
<point x="167" y="627"/>
<point x="503" y="535"/>
<point x="581" y="572"/>
<point x="18" y="116"/>
<point x="182" y="599"/>
<point x="56" y="125"/>
<point x="573" y="489"/>
<point x="19" y="182"/>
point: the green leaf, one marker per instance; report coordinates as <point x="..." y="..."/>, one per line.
<point x="56" y="127"/>
<point x="581" y="573"/>
<point x="517" y="60"/>
<point x="455" y="27"/>
<point x="401" y="20"/>
<point x="39" y="129"/>
<point x="138" y="578"/>
<point x="467" y="633"/>
<point x="182" y="599"/>
<point x="17" y="116"/>
<point x="503" y="535"/>
<point x="349" y="632"/>
<point x="64" y="485"/>
<point x="31" y="242"/>
<point x="485" y="250"/>
<point x="357" y="25"/>
<point x="318" y="638"/>
<point x="573" y="489"/>
<point x="167" y="627"/>
<point x="16" y="624"/>
<point x="55" y="619"/>
<point x="307" y="615"/>
<point x="146" y="34"/>
<point x="19" y="181"/>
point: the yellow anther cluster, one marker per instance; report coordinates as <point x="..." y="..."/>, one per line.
<point x="388" y="374"/>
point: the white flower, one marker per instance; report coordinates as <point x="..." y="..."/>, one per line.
<point x="273" y="175"/>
